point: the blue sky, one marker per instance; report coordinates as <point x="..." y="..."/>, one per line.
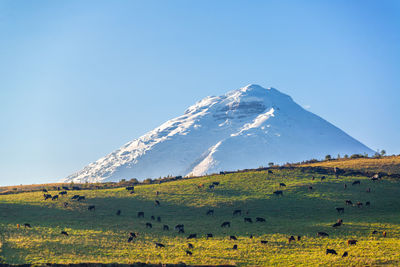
<point x="79" y="79"/>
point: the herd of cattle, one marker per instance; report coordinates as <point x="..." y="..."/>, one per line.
<point x="180" y="228"/>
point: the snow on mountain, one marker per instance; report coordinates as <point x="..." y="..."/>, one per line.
<point x="245" y="128"/>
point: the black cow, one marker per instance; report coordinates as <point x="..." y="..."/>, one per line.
<point x="149" y="225"/>
<point x="211" y="186"/>
<point x="322" y="178"/>
<point x="44" y="190"/>
<point x="209" y="235"/>
<point x="226" y="224"/>
<point x="188" y="252"/>
<point x="331" y="251"/>
<point x="64" y="233"/>
<point x="351" y="242"/>
<point x="54" y="197"/>
<point x="270" y="172"/>
<point x="63" y="193"/>
<point x="235" y="247"/>
<point x="215" y="183"/>
<point x="232" y="237"/>
<point x="367" y="204"/>
<point x="66" y="204"/>
<point x="92" y="207"/>
<point x="210" y="212"/>
<point x="348" y="202"/>
<point x="190" y="246"/>
<point x="130" y="188"/>
<point x="158" y="219"/>
<point x="159" y="245"/>
<point x="152" y="217"/>
<point x="249" y="220"/>
<point x="237" y="212"/>
<point x="340" y="210"/>
<point x="356" y="182"/>
<point x="157" y="203"/>
<point x="27" y="225"/>
<point x="291" y="238"/>
<point x="75" y="197"/>
<point x="282" y="184"/>
<point x="322" y="234"/>
<point x="166" y="227"/>
<point x="47" y="196"/>
<point x="345" y="254"/>
<point x="264" y="242"/>
<point x="140" y="214"/>
<point x="65" y="188"/>
<point x="118" y="212"/>
<point x="192" y="236"/>
<point x="310" y="188"/>
<point x="278" y="193"/>
<point x="134" y="235"/>
<point x="81" y="198"/>
<point x="259" y="219"/>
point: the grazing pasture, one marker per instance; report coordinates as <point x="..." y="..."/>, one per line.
<point x="283" y="230"/>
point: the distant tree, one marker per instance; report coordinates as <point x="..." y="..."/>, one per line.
<point x="338" y="156"/>
<point x="328" y="157"/>
<point x="383" y="152"/>
<point x="270" y="164"/>
<point x="123" y="180"/>
<point x="134" y="181"/>
<point x="148" y="181"/>
<point x="346" y="156"/>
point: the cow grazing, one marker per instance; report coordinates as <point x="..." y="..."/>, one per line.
<point x="65" y="204"/>
<point x="282" y="184"/>
<point x="351" y="242"/>
<point x="226" y="224"/>
<point x="210" y="212"/>
<point x="27" y="225"/>
<point x="65" y="187"/>
<point x="75" y="197"/>
<point x="118" y="212"/>
<point x="63" y="193"/>
<point x="192" y="236"/>
<point x="331" y="251"/>
<point x="337" y="224"/>
<point x="368" y="190"/>
<point x="44" y="190"/>
<point x="323" y="178"/>
<point x="133" y="235"/>
<point x="54" y="197"/>
<point x="278" y="193"/>
<point x="165" y="227"/>
<point x="149" y="225"/>
<point x="181" y="231"/>
<point x="356" y="182"/>
<point x="384" y="234"/>
<point x="92" y="207"/>
<point x="270" y="172"/>
<point x="298" y="238"/>
<point x="322" y="234"/>
<point x="345" y="254"/>
<point x="64" y="233"/>
<point x="130" y="188"/>
<point x="259" y="219"/>
<point x="374" y="232"/>
<point x="152" y="217"/>
<point x="291" y="238"/>
<point x="211" y="186"/>
<point x="340" y="210"/>
<point x="264" y="242"/>
<point x="47" y="196"/>
<point x="209" y="235"/>
<point x="188" y="252"/>
<point x="81" y="198"/>
<point x="157" y="203"/>
<point x="367" y="204"/>
<point x="158" y="219"/>
<point x="130" y="239"/>
<point x="237" y="212"/>
<point x="159" y="245"/>
<point x="190" y="246"/>
<point x="140" y="214"/>
<point x="235" y="247"/>
<point x="249" y="220"/>
<point x="348" y="202"/>
<point x="310" y="188"/>
<point x="215" y="183"/>
<point x="359" y="204"/>
<point x="232" y="237"/>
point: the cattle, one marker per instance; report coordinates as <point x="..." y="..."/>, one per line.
<point x="331" y="251"/>
<point x="130" y="188"/>
<point x="92" y="207"/>
<point x="270" y="172"/>
<point x="374" y="179"/>
<point x="345" y="254"/>
<point x="158" y="219"/>
<point x="215" y="183"/>
<point x="76" y="188"/>
<point x="237" y="212"/>
<point x="152" y="217"/>
<point x="211" y="186"/>
<point x="140" y="214"/>
<point x="322" y="234"/>
<point x="310" y="188"/>
<point x="47" y="196"/>
<point x="249" y="220"/>
<point x="251" y="236"/>
<point x="149" y="225"/>
<point x="54" y="197"/>
<point x="322" y="178"/>
<point x="181" y="231"/>
<point x="282" y="184"/>
<point x="264" y="242"/>
<point x="235" y="247"/>
<point x="133" y="235"/>
<point x="298" y="238"/>
<point x="209" y="235"/>
<point x="27" y="225"/>
<point x="65" y="188"/>
<point x="351" y="242"/>
<point x="75" y="197"/>
<point x="278" y="193"/>
<point x="188" y="252"/>
<point x="65" y="204"/>
<point x="157" y="203"/>
<point x="259" y="219"/>
<point x="226" y="224"/>
<point x="157" y="193"/>
<point x="356" y="182"/>
<point x="345" y="186"/>
<point x="340" y="210"/>
<point x="130" y="239"/>
<point x="348" y="202"/>
<point x="367" y="204"/>
<point x="118" y="212"/>
<point x="368" y="190"/>
<point x="200" y="186"/>
<point x="81" y="198"/>
<point x="210" y="212"/>
<point x="132" y="192"/>
<point x="180" y="228"/>
<point x="192" y="236"/>
<point x="190" y="245"/>
<point x="166" y="227"/>
<point x="63" y="193"/>
<point x="64" y="233"/>
<point x="159" y="245"/>
<point x="339" y="223"/>
<point x="359" y="204"/>
<point x="291" y="238"/>
<point x="44" y="190"/>
<point x="232" y="237"/>
<point x="374" y="232"/>
<point x="384" y="234"/>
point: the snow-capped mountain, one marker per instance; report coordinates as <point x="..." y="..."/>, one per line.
<point x="245" y="128"/>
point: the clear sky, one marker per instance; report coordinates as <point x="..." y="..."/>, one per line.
<point x="79" y="79"/>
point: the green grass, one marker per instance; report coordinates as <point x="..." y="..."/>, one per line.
<point x="101" y="236"/>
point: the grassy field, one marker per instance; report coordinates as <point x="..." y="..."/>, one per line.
<point x="390" y="164"/>
<point x="101" y="236"/>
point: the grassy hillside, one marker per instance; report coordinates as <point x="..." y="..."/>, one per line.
<point x="389" y="165"/>
<point x="101" y="235"/>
